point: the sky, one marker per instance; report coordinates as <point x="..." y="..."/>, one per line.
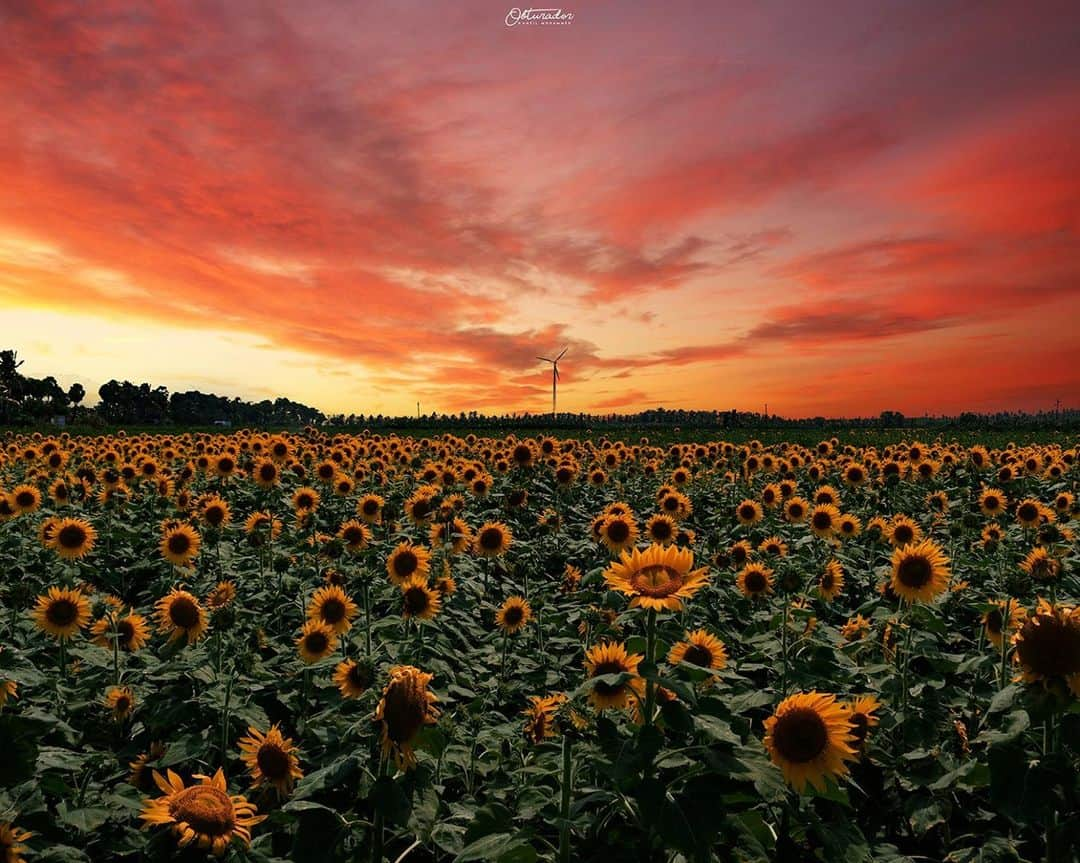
<point x="834" y="208"/>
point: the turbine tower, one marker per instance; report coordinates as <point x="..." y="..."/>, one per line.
<point x="554" y="376"/>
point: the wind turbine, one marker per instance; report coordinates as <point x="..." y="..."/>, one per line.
<point x="554" y="375"/>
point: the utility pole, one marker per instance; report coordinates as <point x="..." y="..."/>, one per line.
<point x="418" y="410"/>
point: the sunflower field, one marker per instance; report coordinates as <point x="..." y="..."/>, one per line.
<point x="334" y="647"/>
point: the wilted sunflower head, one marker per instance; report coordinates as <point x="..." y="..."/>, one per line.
<point x="407" y="705"/>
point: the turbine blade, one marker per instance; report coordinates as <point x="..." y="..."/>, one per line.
<point x="564" y="350"/>
<point x="545" y="359"/>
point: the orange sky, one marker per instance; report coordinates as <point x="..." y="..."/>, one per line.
<point x="835" y="208"/>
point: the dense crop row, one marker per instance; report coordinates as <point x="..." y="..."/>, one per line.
<point x="317" y="647"/>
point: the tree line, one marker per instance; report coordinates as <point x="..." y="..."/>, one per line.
<point x="27" y="401"/>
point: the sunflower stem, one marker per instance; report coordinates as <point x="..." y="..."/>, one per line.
<point x="377" y="837"/>
<point x="650" y="650"/>
<point x="364" y="588"/>
<point x="564" y="807"/>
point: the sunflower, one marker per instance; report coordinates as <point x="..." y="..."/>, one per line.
<point x="855" y="628"/>
<point x="1047" y="647"/>
<point x="139" y="776"/>
<point x="73" y="538"/>
<point x="992" y="534"/>
<point x="61" y="612"/>
<point x="266" y="474"/>
<point x="421" y="504"/>
<point x="456" y="533"/>
<point x="773" y="546"/>
<point x="493" y="539"/>
<point x="618" y="532"/>
<point x="130" y="632"/>
<point x="796" y="510"/>
<point x="332" y="606"/>
<point x="261" y="525"/>
<point x="121" y="701"/>
<point x="540" y="724"/>
<point x="658" y="578"/>
<point x="755" y="580"/>
<point x="1029" y="512"/>
<point x="222" y="596"/>
<point x="407" y="560"/>
<point x="316" y="641"/>
<point x="920" y="571"/>
<point x="215" y="512"/>
<point x="204" y="814"/>
<point x="810" y="737"/>
<point x="8" y="689"/>
<point x="700" y="648"/>
<point x="903" y="530"/>
<point x="612" y="658"/>
<point x="676" y="504"/>
<point x="418" y="600"/>
<point x="11" y="839"/>
<point x="831" y="582"/>
<point x="861" y="714"/>
<point x="305" y="500"/>
<point x="180" y="544"/>
<point x="992" y="502"/>
<point x="1005" y="617"/>
<point x="406" y="706"/>
<point x="270" y="759"/>
<point x="352" y="678"/>
<point x="749" y="512"/>
<point x="513" y="616"/>
<point x="1041" y="565"/>
<point x="661" y="529"/>
<point x="26" y="498"/>
<point x="180" y="614"/>
<point x="824" y="520"/>
<point x="849" y="526"/>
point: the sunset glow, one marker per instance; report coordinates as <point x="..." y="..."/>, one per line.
<point x="712" y="205"/>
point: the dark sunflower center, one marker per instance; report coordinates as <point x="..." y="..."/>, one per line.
<point x="25" y="498"/>
<point x="215" y="515"/>
<point x="207" y="809"/>
<point x="332" y="610"/>
<point x="273" y="761"/>
<point x="1050" y="646"/>
<point x="179" y="543"/>
<point x="62" y="612"/>
<point x="903" y="534"/>
<point x="995" y="620"/>
<point x="491" y="538"/>
<point x="698" y="655"/>
<point x="661" y="530"/>
<point x="755" y="582"/>
<point x="71" y="536"/>
<point x="354" y="535"/>
<point x="618" y="530"/>
<point x="822" y="520"/>
<point x="359" y="676"/>
<point x="305" y="501"/>
<point x="370" y="507"/>
<point x="671" y="504"/>
<point x="747" y="512"/>
<point x="795" y="511"/>
<point x="316" y="642"/>
<point x="405" y="564"/>
<point x="915" y="572"/>
<point x="1028" y="512"/>
<point x="421" y="509"/>
<point x="513" y="615"/>
<point x="827" y="581"/>
<point x="657" y="581"/>
<point x="126" y="632"/>
<point x="184" y="613"/>
<point x="800" y="735"/>
<point x="416" y="600"/>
